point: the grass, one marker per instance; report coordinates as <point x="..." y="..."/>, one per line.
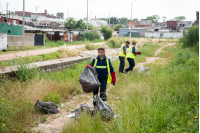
<point x="21" y="96"/>
<point x="164" y="99"/>
<point x="48" y="44"/>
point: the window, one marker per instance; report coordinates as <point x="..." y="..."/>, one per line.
<point x="8" y="31"/>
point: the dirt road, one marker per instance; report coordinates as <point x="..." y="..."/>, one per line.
<point x="37" y="52"/>
<point x="56" y="122"/>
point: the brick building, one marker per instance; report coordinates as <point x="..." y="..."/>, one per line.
<point x="171" y="25"/>
<point x="144" y="23"/>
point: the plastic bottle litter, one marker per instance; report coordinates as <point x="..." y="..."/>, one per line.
<point x="142" y="68"/>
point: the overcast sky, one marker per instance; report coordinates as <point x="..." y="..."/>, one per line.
<point x="101" y="8"/>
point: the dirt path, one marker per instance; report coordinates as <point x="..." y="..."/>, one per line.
<point x="41" y="51"/>
<point x="56" y="122"/>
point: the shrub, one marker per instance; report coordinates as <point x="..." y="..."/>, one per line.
<point x="89" y="46"/>
<point x="107" y="32"/>
<point x="90" y="35"/>
<point x="51" y="97"/>
<point x="116" y="27"/>
<point x="190" y="37"/>
<point x="25" y="70"/>
<point x="115" y="42"/>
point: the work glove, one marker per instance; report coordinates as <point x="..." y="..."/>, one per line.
<point x="113" y="78"/>
<point x="88" y="66"/>
<point x="136" y="53"/>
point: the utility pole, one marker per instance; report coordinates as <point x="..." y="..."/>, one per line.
<point x="23" y="24"/>
<point x="7" y="12"/>
<point x="113" y="25"/>
<point x="67" y="14"/>
<point x="109" y="20"/>
<point x="87" y="15"/>
<point x="36" y="13"/>
<point x="130" y="20"/>
<point x="9" y="16"/>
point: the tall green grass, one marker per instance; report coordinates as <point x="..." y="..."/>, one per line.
<point x="164" y="99"/>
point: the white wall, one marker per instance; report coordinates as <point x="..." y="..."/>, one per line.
<point x="3" y="41"/>
<point x="165" y="34"/>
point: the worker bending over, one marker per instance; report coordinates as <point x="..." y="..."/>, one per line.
<point x="105" y="72"/>
<point x="130" y="54"/>
<point x="122" y="55"/>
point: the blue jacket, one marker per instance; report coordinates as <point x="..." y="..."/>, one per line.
<point x="102" y="73"/>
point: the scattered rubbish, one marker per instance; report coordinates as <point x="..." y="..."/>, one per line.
<point x="104" y="109"/>
<point x="89" y="80"/>
<point x="142" y="68"/>
<point x="47" y="107"/>
<point x="62" y="105"/>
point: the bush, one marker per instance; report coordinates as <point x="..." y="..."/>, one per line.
<point x="190" y="37"/>
<point x="116" y="27"/>
<point x="25" y="70"/>
<point x="89" y="46"/>
<point x="107" y="32"/>
<point x="51" y="97"/>
<point x="115" y="42"/>
<point x="90" y="36"/>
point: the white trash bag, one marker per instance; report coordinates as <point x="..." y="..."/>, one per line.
<point x="142" y="68"/>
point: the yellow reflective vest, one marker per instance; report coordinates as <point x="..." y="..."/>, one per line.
<point x="121" y="53"/>
<point x="109" y="80"/>
<point x="129" y="53"/>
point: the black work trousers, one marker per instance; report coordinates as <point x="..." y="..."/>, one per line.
<point x="103" y="96"/>
<point x="131" y="64"/>
<point x="122" y="64"/>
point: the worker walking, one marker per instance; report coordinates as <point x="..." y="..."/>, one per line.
<point x="122" y="55"/>
<point x="105" y="72"/>
<point x="130" y="54"/>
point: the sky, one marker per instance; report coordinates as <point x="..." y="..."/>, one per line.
<point x="101" y="8"/>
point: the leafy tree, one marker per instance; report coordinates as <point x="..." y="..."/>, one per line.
<point x="107" y="32"/>
<point x="104" y="19"/>
<point x="60" y="14"/>
<point x="70" y="23"/>
<point x="154" y="18"/>
<point x="114" y="19"/>
<point x="90" y="27"/>
<point x="52" y="15"/>
<point x="122" y="20"/>
<point x="135" y="19"/>
<point x="116" y="27"/>
<point x="80" y="24"/>
<point x="179" y="18"/>
<point x="12" y="13"/>
<point x="164" y="18"/>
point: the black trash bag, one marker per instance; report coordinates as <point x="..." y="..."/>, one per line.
<point x="47" y="107"/>
<point x="89" y="80"/>
<point x="83" y="107"/>
<point x="105" y="110"/>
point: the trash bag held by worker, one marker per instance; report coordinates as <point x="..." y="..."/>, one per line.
<point x="47" y="107"/>
<point x="142" y="68"/>
<point x="106" y="111"/>
<point x="89" y="80"/>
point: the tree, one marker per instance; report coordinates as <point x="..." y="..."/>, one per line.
<point x="154" y="18"/>
<point x="80" y="24"/>
<point x="114" y="19"/>
<point x="104" y="19"/>
<point x="179" y="18"/>
<point x="107" y="32"/>
<point x="116" y="27"/>
<point x="135" y="19"/>
<point x="52" y="15"/>
<point x="60" y="14"/>
<point x="164" y="18"/>
<point x="122" y="20"/>
<point x="12" y="13"/>
<point x="90" y="27"/>
<point x="70" y="23"/>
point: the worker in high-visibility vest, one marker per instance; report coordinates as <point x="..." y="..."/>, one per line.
<point x="105" y="72"/>
<point x="122" y="55"/>
<point x="130" y="54"/>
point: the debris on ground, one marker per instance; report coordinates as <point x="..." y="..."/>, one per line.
<point x="104" y="109"/>
<point x="89" y="80"/>
<point x="47" y="107"/>
<point x="142" y="68"/>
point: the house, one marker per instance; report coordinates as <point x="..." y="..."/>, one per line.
<point x="171" y="25"/>
<point x="182" y="25"/>
<point x="96" y="22"/>
<point x="135" y="32"/>
<point x="33" y="15"/>
<point x="159" y="26"/>
<point x="144" y="23"/>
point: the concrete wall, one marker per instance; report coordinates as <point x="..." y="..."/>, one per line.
<point x="165" y="34"/>
<point x="124" y="31"/>
<point x="13" y="40"/>
<point x="3" y="41"/>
